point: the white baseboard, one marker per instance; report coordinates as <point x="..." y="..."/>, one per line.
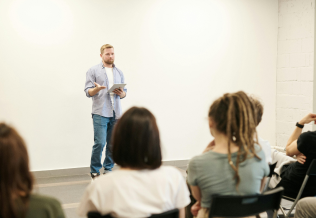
<point x="86" y="170"/>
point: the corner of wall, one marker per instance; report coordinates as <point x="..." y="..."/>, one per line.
<point x="295" y="66"/>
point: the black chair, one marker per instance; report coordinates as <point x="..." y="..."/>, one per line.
<point x="310" y="172"/>
<point x="250" y="205"/>
<point x="168" y="214"/>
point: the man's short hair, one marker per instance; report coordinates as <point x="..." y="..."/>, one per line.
<point x="258" y="109"/>
<point x="104" y="47"/>
<point x="135" y="140"/>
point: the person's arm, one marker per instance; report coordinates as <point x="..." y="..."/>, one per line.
<point x="181" y="213"/>
<point x="195" y="208"/>
<point x="291" y="149"/>
<point x="96" y="89"/>
<point x="196" y="192"/>
<point x="291" y="146"/>
<point x="91" y="88"/>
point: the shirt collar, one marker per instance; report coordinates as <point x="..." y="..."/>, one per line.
<point x="103" y="66"/>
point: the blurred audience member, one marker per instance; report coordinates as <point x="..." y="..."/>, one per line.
<point x="306" y="208"/>
<point x="16" y="181"/>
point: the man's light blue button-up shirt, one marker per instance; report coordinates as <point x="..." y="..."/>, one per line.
<point x="101" y="102"/>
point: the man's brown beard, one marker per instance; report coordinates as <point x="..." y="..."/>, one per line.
<point x="109" y="62"/>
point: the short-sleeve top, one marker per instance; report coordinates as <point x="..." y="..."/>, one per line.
<point x="44" y="207"/>
<point x="212" y="173"/>
<point x="294" y="174"/>
<point x="136" y="193"/>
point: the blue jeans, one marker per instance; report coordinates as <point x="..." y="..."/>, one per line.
<point x="103" y="127"/>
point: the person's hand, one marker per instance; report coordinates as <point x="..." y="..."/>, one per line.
<point x="119" y="92"/>
<point x="308" y="118"/>
<point x="301" y="158"/>
<point x="210" y="146"/>
<point x="195" y="208"/>
<point x="98" y="87"/>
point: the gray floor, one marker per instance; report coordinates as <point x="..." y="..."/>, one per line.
<point x="69" y="190"/>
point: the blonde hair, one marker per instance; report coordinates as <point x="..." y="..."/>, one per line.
<point x="234" y="115"/>
<point x="104" y="47"/>
<point x="258" y="107"/>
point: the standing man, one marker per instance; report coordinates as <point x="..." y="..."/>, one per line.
<point x="106" y="107"/>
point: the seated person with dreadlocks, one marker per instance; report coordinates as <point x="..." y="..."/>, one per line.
<point x="265" y="145"/>
<point x="236" y="165"/>
<point x="290" y="173"/>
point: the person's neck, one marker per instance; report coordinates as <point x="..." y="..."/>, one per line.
<point x="221" y="144"/>
<point x="107" y="65"/>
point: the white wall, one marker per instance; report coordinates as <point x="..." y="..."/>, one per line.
<point x="295" y="68"/>
<point x="177" y="56"/>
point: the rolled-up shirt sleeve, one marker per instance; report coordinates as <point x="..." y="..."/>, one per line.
<point x="90" y="79"/>
<point x="192" y="173"/>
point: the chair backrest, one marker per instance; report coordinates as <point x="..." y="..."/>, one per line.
<point x="93" y="214"/>
<point x="312" y="168"/>
<point x="168" y="214"/>
<point x="310" y="172"/>
<point x="239" y="206"/>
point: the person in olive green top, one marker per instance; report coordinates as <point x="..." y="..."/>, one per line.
<point x="16" y="181"/>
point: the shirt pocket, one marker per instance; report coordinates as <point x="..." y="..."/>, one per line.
<point x="101" y="80"/>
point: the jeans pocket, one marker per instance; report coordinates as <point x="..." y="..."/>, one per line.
<point x="96" y="120"/>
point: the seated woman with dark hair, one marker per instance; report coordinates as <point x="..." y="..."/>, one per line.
<point x="16" y="181"/>
<point x="141" y="186"/>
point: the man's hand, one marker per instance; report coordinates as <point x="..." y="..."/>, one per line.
<point x="195" y="208"/>
<point x="308" y="118"/>
<point x="98" y="87"/>
<point x="210" y="146"/>
<point x="301" y="158"/>
<point x="119" y="92"/>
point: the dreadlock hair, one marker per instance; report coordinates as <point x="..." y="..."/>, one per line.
<point x="234" y="116"/>
<point x="16" y="180"/>
<point x="258" y="107"/>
